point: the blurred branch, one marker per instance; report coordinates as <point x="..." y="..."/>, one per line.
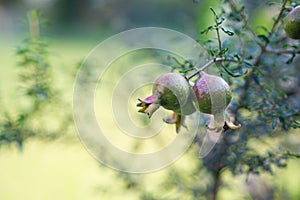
<point x="279" y="16"/>
<point x="216" y="185"/>
<point x="263" y="50"/>
<point x="219" y="38"/>
<point x="34" y="24"/>
<point x="283" y="51"/>
<point x="293" y="155"/>
<point x="245" y="21"/>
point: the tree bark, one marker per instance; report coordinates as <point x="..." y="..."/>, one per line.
<point x="216" y="185"/>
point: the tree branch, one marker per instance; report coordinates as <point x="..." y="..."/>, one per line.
<point x="263" y="50"/>
<point x="219" y="38"/>
<point x="245" y="21"/>
<point x="279" y="16"/>
<point x="283" y="51"/>
<point x="211" y="62"/>
<point x="216" y="185"/>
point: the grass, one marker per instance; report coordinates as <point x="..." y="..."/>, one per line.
<point x="48" y="171"/>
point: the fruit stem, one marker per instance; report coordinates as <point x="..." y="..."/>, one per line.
<point x="211" y="62"/>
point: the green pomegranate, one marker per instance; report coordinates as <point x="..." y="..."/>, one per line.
<point x="171" y="91"/>
<point x="292" y="23"/>
<point x="213" y="94"/>
<point x="210" y="94"/>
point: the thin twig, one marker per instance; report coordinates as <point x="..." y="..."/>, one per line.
<point x="288" y="8"/>
<point x="34" y="24"/>
<point x="279" y="16"/>
<point x="219" y="38"/>
<point x="216" y="184"/>
<point x="293" y="155"/>
<point x="283" y="51"/>
<point x="275" y="24"/>
<point x="263" y="50"/>
<point x="211" y="62"/>
<point x="245" y="21"/>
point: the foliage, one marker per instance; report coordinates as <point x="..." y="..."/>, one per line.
<point x="38" y="96"/>
<point x="260" y="64"/>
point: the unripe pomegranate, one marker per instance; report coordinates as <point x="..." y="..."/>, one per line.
<point x="213" y="93"/>
<point x="292" y="23"/>
<point x="171" y="91"/>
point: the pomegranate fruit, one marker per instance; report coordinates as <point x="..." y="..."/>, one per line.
<point x="292" y="23"/>
<point x="171" y="91"/>
<point x="213" y="95"/>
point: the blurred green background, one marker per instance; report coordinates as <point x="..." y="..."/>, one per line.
<point x="61" y="168"/>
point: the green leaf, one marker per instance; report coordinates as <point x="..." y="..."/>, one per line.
<point x="219" y="21"/>
<point x="229" y="33"/>
<point x="237" y="56"/>
<point x="263" y="38"/>
<point x="258" y="71"/>
<point x="223" y="51"/>
<point x="263" y="28"/>
<point x="210" y="28"/>
<point x="289" y="61"/>
<point x="248" y="65"/>
<point x="272" y="3"/>
<point x="213" y="11"/>
<point x="233" y="74"/>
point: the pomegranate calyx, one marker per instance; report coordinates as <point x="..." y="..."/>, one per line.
<point x="148" y="105"/>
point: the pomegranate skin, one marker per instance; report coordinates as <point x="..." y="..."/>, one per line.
<point x="212" y="93"/>
<point x="172" y="91"/>
<point x="292" y="23"/>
